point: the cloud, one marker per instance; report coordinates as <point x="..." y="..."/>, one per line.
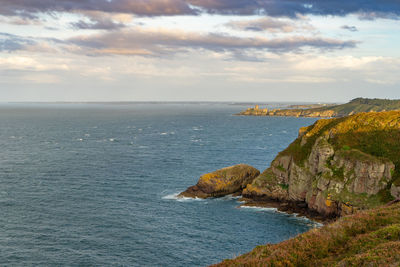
<point x="158" y="42"/>
<point x="290" y="8"/>
<point x="15" y="20"/>
<point x="367" y="9"/>
<point x="269" y="24"/>
<point x="139" y="7"/>
<point x="350" y="28"/>
<point x="11" y="43"/>
<point x="96" y="20"/>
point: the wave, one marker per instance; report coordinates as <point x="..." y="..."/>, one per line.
<point x="181" y="199"/>
<point x="256" y="208"/>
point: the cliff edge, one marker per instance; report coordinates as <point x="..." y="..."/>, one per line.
<point x="336" y="166"/>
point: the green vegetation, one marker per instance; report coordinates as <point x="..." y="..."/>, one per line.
<point x="365" y="105"/>
<point x="352" y="148"/>
<point x="360" y="136"/>
<point x="370" y="238"/>
<point x="281" y="168"/>
<point x="346" y="148"/>
<point x="284" y="186"/>
<point x="361" y="105"/>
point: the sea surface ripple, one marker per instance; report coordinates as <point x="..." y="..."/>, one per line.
<point x="94" y="184"/>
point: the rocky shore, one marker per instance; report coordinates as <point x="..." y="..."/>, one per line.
<point x="230" y="180"/>
<point x="334" y="168"/>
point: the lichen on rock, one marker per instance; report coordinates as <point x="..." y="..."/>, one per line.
<point x="222" y="182"/>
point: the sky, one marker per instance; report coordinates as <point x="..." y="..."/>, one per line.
<point x="199" y="50"/>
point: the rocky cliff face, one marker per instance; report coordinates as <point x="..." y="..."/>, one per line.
<point x="336" y="166"/>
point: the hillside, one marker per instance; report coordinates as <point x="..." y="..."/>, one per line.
<point x="368" y="238"/>
<point x="354" y="106"/>
<point x="336" y="166"/>
<point x="345" y="168"/>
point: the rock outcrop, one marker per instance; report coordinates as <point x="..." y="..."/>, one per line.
<point x="230" y="180"/>
<point x="336" y="166"/>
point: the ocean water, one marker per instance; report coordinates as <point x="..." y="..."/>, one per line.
<point x="95" y="184"/>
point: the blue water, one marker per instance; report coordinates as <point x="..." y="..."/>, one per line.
<point x="94" y="184"/>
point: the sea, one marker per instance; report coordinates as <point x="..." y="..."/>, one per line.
<point x="95" y="184"/>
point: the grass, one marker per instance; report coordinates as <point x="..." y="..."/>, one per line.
<point x="369" y="237"/>
<point x="284" y="186"/>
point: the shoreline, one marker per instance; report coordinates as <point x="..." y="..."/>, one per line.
<point x="288" y="207"/>
<point x="288" y="116"/>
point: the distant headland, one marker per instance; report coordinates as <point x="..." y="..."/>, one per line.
<point x="326" y="110"/>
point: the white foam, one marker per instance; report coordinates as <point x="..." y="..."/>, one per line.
<point x="163" y="133"/>
<point x="256" y="208"/>
<point x="111" y="139"/>
<point x="180" y="199"/>
<point x="171" y="196"/>
<point x="307" y="220"/>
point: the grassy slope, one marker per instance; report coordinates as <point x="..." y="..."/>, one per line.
<point x="363" y="105"/>
<point x="370" y="238"/>
<point x="354" y="106"/>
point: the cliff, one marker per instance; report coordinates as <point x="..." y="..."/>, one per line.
<point x="336" y="166"/>
<point x="345" y="167"/>
<point x="354" y="106"/>
<point x="368" y="238"/>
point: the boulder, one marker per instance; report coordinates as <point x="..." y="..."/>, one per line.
<point x="230" y="180"/>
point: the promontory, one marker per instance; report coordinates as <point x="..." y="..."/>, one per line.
<point x="328" y="111"/>
<point x="345" y="168"/>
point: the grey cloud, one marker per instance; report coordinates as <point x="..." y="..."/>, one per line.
<point x="290" y="8"/>
<point x="268" y="24"/>
<point x="158" y="43"/>
<point x="11" y="43"/>
<point x="139" y="7"/>
<point x="350" y="28"/>
<point x="97" y="25"/>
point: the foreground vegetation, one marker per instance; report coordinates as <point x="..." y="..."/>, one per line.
<point x="369" y="238"/>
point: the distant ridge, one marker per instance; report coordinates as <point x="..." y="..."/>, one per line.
<point x="354" y="106"/>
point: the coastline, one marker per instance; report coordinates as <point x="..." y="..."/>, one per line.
<point x="289" y="116"/>
<point x="298" y="208"/>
